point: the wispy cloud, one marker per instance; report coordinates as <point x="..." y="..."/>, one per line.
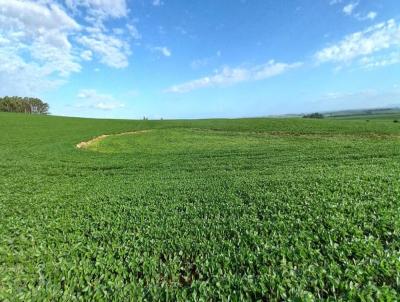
<point x="165" y="51"/>
<point x="369" y="16"/>
<point x="383" y="60"/>
<point x="374" y="40"/>
<point x="86" y="55"/>
<point x="157" y="2"/>
<point x="133" y="31"/>
<point x="349" y="8"/>
<point x="333" y="96"/>
<point x="111" y="50"/>
<point x="90" y="98"/>
<point x="334" y="2"/>
<point x="229" y="76"/>
<point x="368" y="98"/>
<point x="198" y="63"/>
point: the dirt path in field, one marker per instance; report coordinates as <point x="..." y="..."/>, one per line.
<point x="84" y="145"/>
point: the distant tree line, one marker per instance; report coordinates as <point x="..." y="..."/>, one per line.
<point x="314" y="115"/>
<point x="23" y="105"/>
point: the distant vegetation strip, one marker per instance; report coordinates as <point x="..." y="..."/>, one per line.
<point x="385" y="113"/>
<point x="374" y="113"/>
<point x="314" y="115"/>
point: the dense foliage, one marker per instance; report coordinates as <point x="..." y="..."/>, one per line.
<point x="23" y="105"/>
<point x="252" y="209"/>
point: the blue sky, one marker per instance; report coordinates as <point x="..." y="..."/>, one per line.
<point x="197" y="59"/>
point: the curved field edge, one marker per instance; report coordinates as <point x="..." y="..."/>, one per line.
<point x="317" y="222"/>
<point x="213" y="138"/>
<point x="97" y="139"/>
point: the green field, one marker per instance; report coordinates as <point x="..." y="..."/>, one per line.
<point x="207" y="210"/>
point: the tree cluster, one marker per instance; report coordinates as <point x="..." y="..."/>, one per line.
<point x="314" y="115"/>
<point x="23" y="105"/>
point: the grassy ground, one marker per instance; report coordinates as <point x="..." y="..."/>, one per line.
<point x="273" y="209"/>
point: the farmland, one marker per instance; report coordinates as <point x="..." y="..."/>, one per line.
<point x="246" y="209"/>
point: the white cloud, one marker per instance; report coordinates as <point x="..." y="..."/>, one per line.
<point x="41" y="42"/>
<point x="18" y="77"/>
<point x="372" y="15"/>
<point x="111" y="47"/>
<point x="86" y="55"/>
<point x="108" y="106"/>
<point x="100" y="8"/>
<point x="36" y="16"/>
<point x="90" y="98"/>
<point x="157" y="3"/>
<point x="35" y="46"/>
<point x="133" y="31"/>
<point x="199" y="63"/>
<point x="113" y="51"/>
<point x="42" y="30"/>
<point x="383" y="60"/>
<point x="333" y="96"/>
<point x="165" y="51"/>
<point x="229" y="76"/>
<point x="348" y="9"/>
<point x="369" y="16"/>
<point x="334" y="2"/>
<point x="375" y="39"/>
